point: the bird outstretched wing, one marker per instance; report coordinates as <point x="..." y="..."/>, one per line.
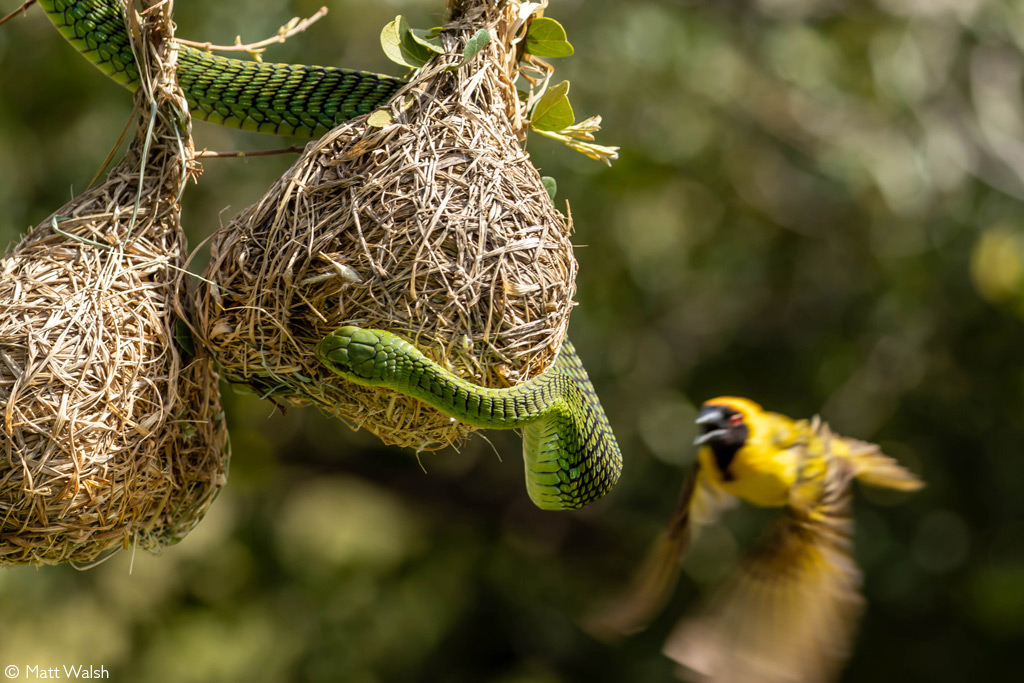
<point x="789" y="612"/>
<point x="652" y="586"/>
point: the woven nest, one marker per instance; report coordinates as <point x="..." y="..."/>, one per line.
<point x="110" y="434"/>
<point x="434" y="226"/>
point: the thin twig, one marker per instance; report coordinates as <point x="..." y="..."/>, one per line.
<point x="23" y="9"/>
<point x="149" y="6"/>
<point x="255" y="49"/>
<point x="207" y="154"/>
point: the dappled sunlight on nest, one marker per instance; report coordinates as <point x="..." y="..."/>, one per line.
<point x="110" y="435"/>
<point x="429" y="222"/>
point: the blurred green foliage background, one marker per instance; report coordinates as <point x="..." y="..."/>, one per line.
<point x="817" y="206"/>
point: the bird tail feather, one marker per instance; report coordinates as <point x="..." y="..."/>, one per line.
<point x="874" y="468"/>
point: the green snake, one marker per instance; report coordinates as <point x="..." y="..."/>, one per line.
<point x="570" y="452"/>
<point x="571" y="456"/>
<point x="286" y="99"/>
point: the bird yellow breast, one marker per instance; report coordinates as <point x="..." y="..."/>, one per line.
<point x="759" y="476"/>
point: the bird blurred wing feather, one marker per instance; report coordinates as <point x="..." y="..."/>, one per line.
<point x="652" y="586"/>
<point x="790" y="611"/>
<point x="874" y="468"/>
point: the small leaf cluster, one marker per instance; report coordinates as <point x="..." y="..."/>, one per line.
<point x="549" y="110"/>
<point x="414" y="47"/>
<point x="552" y="115"/>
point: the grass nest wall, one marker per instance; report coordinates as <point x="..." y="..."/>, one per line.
<point x="110" y="434"/>
<point x="433" y="225"/>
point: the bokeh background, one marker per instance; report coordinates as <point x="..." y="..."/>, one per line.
<point x="818" y="205"/>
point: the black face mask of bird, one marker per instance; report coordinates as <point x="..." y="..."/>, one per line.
<point x="724" y="431"/>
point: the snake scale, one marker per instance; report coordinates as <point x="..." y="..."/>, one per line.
<point x="570" y="453"/>
<point x="285" y="99"/>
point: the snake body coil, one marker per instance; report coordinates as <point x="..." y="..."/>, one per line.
<point x="570" y="452"/>
<point x="571" y="456"/>
<point x="286" y="99"/>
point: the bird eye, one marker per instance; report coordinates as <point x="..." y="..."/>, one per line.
<point x="736" y="420"/>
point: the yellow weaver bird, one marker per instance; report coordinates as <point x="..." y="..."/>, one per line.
<point x="790" y="611"/>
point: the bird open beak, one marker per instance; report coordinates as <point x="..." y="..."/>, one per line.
<point x="708" y="436"/>
<point x="710" y="416"/>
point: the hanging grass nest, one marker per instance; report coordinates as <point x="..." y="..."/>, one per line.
<point x="110" y="434"/>
<point x="426" y="219"/>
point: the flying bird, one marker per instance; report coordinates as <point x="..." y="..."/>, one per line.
<point x="790" y="611"/>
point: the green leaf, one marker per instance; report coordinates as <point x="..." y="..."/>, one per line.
<point x="428" y="39"/>
<point x="380" y="119"/>
<point x="475" y="44"/>
<point x="472" y="49"/>
<point x="550" y="185"/>
<point x="546" y="38"/>
<point x="553" y="111"/>
<point x="183" y="335"/>
<point x="397" y="41"/>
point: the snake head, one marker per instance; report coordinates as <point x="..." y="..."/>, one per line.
<point x="350" y="352"/>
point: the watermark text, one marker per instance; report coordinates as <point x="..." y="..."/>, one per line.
<point x="39" y="672"/>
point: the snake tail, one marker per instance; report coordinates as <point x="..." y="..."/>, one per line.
<point x="570" y="454"/>
<point x="286" y="99"/>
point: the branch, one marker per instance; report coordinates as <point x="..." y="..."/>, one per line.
<point x="207" y="154"/>
<point x="23" y="9"/>
<point x="256" y="49"/>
